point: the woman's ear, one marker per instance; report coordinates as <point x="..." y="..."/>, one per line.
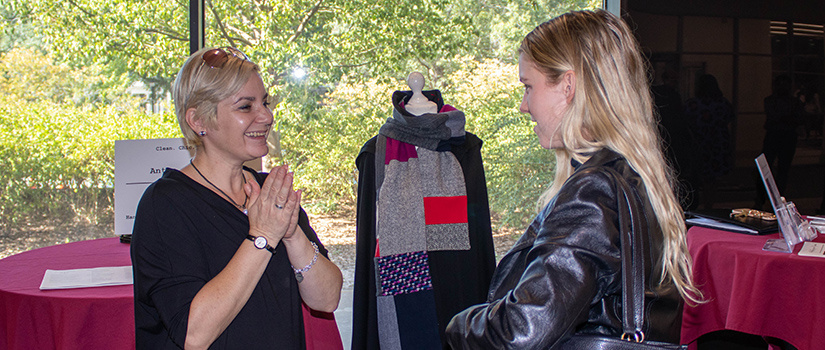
<point x="195" y="123"/>
<point x="569" y="81"/>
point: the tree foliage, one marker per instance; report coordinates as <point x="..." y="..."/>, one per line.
<point x="355" y="54"/>
<point x="27" y="75"/>
<point x="330" y="38"/>
<point x="57" y="160"/>
<point x="517" y="169"/>
<point x="14" y="27"/>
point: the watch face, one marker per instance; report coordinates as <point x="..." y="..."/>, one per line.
<point x="260" y="242"/>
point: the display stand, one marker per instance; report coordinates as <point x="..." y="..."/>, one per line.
<point x="418" y="103"/>
<point x="791" y="225"/>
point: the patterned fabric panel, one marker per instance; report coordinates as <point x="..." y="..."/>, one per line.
<point x="403" y="273"/>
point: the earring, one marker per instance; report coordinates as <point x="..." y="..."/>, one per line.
<point x="202" y="133"/>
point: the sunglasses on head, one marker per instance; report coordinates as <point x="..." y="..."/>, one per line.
<point x="217" y="57"/>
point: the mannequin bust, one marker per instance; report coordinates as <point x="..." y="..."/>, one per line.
<point x="418" y="103"/>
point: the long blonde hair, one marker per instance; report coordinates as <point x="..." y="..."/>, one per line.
<point x="611" y="108"/>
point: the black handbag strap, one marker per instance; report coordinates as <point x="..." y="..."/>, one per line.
<point x="632" y="227"/>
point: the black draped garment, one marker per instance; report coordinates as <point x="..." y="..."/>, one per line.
<point x="460" y="278"/>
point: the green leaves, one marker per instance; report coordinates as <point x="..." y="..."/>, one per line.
<point x="66" y="65"/>
<point x="322" y="148"/>
<point x="57" y="160"/>
<point x="516" y="167"/>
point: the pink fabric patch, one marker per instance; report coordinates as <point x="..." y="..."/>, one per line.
<point x="400" y="151"/>
<point x="447" y="108"/>
<point x="321" y="330"/>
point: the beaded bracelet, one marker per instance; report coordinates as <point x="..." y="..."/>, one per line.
<point x="299" y="274"/>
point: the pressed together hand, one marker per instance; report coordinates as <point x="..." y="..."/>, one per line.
<point x="273" y="209"/>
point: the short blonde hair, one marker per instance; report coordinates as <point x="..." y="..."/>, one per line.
<point x="200" y="86"/>
<point x="611" y="108"/>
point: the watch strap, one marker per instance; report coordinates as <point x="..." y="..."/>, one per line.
<point x="268" y="247"/>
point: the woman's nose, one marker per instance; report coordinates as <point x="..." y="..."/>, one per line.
<point x="265" y="116"/>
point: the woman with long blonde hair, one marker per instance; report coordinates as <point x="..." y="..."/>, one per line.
<point x="586" y="88"/>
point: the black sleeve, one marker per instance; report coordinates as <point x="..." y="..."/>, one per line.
<point x="169" y="268"/>
<point x="572" y="264"/>
<point x="364" y="309"/>
<point x="177" y="247"/>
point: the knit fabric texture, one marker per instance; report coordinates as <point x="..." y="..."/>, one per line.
<point x="421" y="206"/>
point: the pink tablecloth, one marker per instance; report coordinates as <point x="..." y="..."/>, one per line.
<point x="89" y="318"/>
<point x="754" y="291"/>
<point x="84" y="318"/>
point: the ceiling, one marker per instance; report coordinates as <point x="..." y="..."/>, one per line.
<point x="802" y="11"/>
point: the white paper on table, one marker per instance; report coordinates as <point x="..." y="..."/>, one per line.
<point x="813" y="249"/>
<point x="82" y="278"/>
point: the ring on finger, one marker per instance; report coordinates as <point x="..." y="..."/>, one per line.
<point x="279" y="206"/>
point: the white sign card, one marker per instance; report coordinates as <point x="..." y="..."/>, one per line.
<point x="138" y="163"/>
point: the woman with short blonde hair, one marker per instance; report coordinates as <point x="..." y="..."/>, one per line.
<point x="224" y="256"/>
<point x="200" y="86"/>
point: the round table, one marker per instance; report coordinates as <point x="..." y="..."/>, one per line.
<point x="82" y="318"/>
<point x="90" y="318"/>
<point x="749" y="290"/>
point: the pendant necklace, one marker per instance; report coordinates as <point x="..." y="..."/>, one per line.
<point x="241" y="207"/>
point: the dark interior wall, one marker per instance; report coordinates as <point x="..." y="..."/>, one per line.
<point x="731" y="40"/>
<point x="810" y="11"/>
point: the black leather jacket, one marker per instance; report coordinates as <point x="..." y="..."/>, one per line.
<point x="563" y="275"/>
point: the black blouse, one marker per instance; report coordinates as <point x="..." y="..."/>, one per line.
<point x="184" y="235"/>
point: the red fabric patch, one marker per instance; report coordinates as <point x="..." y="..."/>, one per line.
<point x="377" y="250"/>
<point x="445" y="210"/>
